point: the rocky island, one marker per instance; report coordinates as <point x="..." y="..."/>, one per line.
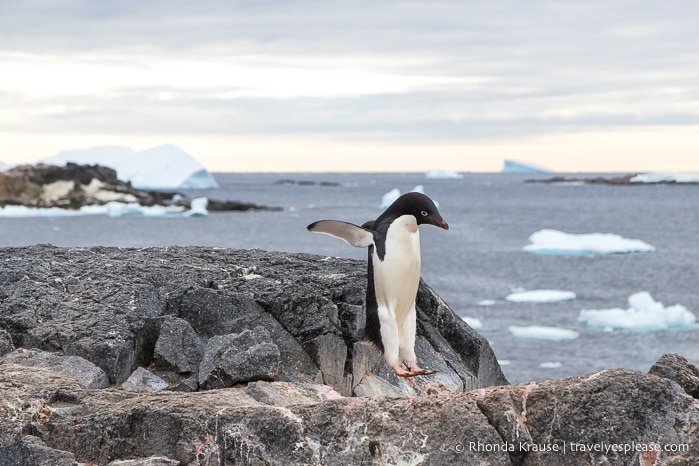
<point x="74" y="186"/>
<point x="207" y="356"/>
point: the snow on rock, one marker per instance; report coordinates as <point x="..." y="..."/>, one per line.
<point x="442" y="174"/>
<point x="161" y="167"/>
<point x="643" y="315"/>
<point x="473" y="322"/>
<point x="540" y="296"/>
<point x="665" y="177"/>
<point x="543" y="333"/>
<point x="558" y="242"/>
<point x="112" y="209"/>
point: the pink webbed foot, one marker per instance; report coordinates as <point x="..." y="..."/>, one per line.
<point x="416" y="370"/>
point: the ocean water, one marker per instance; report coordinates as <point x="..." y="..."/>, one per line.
<point x="480" y="258"/>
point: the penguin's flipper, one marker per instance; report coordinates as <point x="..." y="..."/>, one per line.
<point x="355" y="235"/>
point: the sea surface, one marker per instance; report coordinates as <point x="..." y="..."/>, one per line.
<point x="479" y="258"/>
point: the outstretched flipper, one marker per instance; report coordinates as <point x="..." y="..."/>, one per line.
<point x="355" y="235"/>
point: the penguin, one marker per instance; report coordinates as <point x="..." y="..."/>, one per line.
<point x="393" y="274"/>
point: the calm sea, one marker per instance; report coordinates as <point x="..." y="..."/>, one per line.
<point x="480" y="258"/>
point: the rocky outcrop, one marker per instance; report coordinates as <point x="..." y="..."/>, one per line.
<point x="73" y="186"/>
<point x="217" y="356"/>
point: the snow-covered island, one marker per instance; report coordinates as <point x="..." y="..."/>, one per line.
<point x="653" y="178"/>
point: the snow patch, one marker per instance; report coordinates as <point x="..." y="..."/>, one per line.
<point x="665" y="177"/>
<point x="560" y="243"/>
<point x="643" y="315"/>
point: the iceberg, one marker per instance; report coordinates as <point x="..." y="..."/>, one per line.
<point x="643" y="315"/>
<point x="558" y="242"/>
<point x="442" y="174"/>
<point x="162" y="167"/>
<point x="543" y="333"/>
<point x="665" y="177"/>
<point x="513" y="166"/>
<point x="540" y="296"/>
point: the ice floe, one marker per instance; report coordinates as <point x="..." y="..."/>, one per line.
<point x="643" y="315"/>
<point x="665" y="177"/>
<point x="540" y="296"/>
<point x="473" y="322"/>
<point x="443" y="174"/>
<point x="536" y="332"/>
<point x="161" y="167"/>
<point x="550" y="365"/>
<point x="514" y="166"/>
<point x="561" y="243"/>
<point x="391" y="196"/>
<point x="486" y="302"/>
<point x="112" y="209"/>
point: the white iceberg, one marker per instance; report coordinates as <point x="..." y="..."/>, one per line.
<point x="665" y="177"/>
<point x="161" y="167"/>
<point x="643" y="315"/>
<point x="557" y="242"/>
<point x="543" y="333"/>
<point x="442" y="174"/>
<point x="540" y="296"/>
<point x="513" y="166"/>
<point x="473" y="322"/>
<point x="550" y="365"/>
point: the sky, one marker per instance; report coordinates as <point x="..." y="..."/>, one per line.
<point x="295" y="85"/>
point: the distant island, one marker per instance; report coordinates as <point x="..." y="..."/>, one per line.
<point x="635" y="179"/>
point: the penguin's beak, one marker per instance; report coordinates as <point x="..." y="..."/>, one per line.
<point x="440" y="223"/>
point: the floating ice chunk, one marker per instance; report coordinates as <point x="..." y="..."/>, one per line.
<point x="513" y="166"/>
<point x="558" y="242"/>
<point x="442" y="174"/>
<point x="643" y="315"/>
<point x="543" y="333"/>
<point x="473" y="322"/>
<point x="540" y="296"/>
<point x="504" y="362"/>
<point x="550" y="365"/>
<point x="391" y="196"/>
<point x="665" y="177"/>
<point x="197" y="207"/>
<point x="486" y="302"/>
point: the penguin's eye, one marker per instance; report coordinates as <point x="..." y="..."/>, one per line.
<point x="424" y="213"/>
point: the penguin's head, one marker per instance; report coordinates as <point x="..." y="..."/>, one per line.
<point x="418" y="205"/>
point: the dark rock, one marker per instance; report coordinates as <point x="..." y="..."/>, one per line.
<point x="150" y="461"/>
<point x="678" y="369"/>
<point x="143" y="379"/>
<point x="74" y="366"/>
<point x="219" y="206"/>
<point x="178" y="348"/>
<point x="32" y="451"/>
<point x="5" y="342"/>
<point x="286" y="394"/>
<point x="239" y="357"/>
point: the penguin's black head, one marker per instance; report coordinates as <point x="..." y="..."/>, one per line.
<point x="418" y="205"/>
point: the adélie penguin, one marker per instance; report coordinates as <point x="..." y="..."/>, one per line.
<point x="393" y="274"/>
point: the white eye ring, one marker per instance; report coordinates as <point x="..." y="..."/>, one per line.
<point x="424" y="213"/>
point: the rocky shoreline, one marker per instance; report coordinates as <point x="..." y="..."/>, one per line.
<point x="207" y="356"/>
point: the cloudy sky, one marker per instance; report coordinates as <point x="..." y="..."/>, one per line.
<point x="361" y="86"/>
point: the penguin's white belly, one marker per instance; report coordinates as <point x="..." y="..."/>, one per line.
<point x="397" y="277"/>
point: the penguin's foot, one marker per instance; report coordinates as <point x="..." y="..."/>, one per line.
<point x="410" y="369"/>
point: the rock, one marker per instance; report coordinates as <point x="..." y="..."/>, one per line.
<point x="150" y="461"/>
<point x="678" y="369"/>
<point x="178" y="348"/>
<point x="111" y="307"/>
<point x="239" y="357"/>
<point x="74" y="366"/>
<point x="286" y="394"/>
<point x="514" y="424"/>
<point x="143" y="379"/>
<point x="30" y="450"/>
<point x="5" y="342"/>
